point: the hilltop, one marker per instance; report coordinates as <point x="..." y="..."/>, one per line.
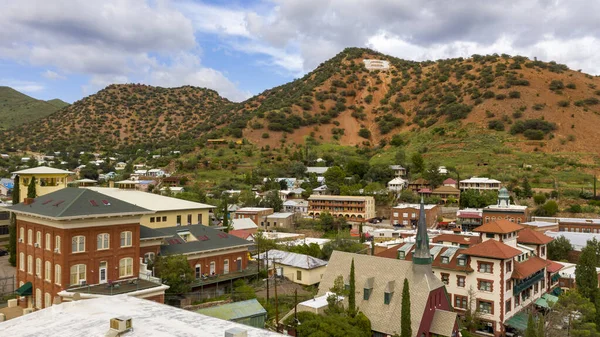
<point x="17" y="108"/>
<point x="524" y="104"/>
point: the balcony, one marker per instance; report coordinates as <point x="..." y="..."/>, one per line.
<point x="518" y="288"/>
<point x="251" y="270"/>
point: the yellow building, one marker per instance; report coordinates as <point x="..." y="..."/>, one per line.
<point x="169" y="211"/>
<point x="298" y="268"/>
<point x="353" y="208"/>
<point x="47" y="180"/>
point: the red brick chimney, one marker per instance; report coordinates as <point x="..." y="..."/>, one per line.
<point x="28" y="201"/>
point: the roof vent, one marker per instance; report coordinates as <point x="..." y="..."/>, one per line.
<point x="236" y="332"/>
<point x="28" y="201"/>
<point x="106" y="202"/>
<point x="119" y="325"/>
<point x="94" y="203"/>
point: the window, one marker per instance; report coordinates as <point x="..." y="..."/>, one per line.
<point x="226" y="266"/>
<point x="189" y="219"/>
<point x="414" y="215"/>
<point x="485" y="285"/>
<point x="199" y="219"/>
<point x="38" y="298"/>
<point x="48" y="241"/>
<point x="445" y="278"/>
<point x="47" y="300"/>
<point x="126" y="239"/>
<point x="164" y="219"/>
<point x="489" y="235"/>
<point x="485" y="267"/>
<point x="445" y="259"/>
<point x="367" y="294"/>
<point x="77" y="274"/>
<point x="387" y="297"/>
<point x="151" y="219"/>
<point x="299" y="275"/>
<point x="57" y="274"/>
<point x="508" y="285"/>
<point x="462" y="261"/>
<point x="103" y="241"/>
<point x="405" y="215"/>
<point x="38" y="239"/>
<point x="22" y="234"/>
<point x="198" y="271"/>
<point x="78" y="244"/>
<point x="508" y="266"/>
<point x="179" y="220"/>
<point x="507" y="306"/>
<point x="517" y="300"/>
<point x="460" y="302"/>
<point x="485" y="307"/>
<point x="22" y="261"/>
<point x="535" y="288"/>
<point x="57" y="244"/>
<point x="460" y="281"/>
<point x="29" y="237"/>
<point x="38" y="267"/>
<point x="126" y="267"/>
<point x="543" y="250"/>
<point x="149" y="257"/>
<point x="48" y="271"/>
<point x="29" y="264"/>
<point x="157" y="219"/>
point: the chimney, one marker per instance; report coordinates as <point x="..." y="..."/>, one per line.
<point x="28" y="201"/>
<point x="111" y="183"/>
<point x="236" y="332"/>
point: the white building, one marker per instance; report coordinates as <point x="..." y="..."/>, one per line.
<point x="296" y="206"/>
<point x="479" y="184"/>
<point x="397" y="184"/>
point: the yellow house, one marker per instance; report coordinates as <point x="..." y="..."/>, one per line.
<point x="47" y="180"/>
<point x="298" y="268"/>
<point x="169" y="211"/>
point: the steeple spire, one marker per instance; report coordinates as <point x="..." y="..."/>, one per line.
<point x="421" y="254"/>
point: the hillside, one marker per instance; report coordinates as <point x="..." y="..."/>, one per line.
<point x="17" y="108"/>
<point x="124" y="115"/>
<point x="524" y="104"/>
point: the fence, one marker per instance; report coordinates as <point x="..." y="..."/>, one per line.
<point x="7" y="285"/>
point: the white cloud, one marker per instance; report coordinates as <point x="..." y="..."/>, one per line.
<point x="212" y="19"/>
<point x="53" y="75"/>
<point x="23" y="86"/>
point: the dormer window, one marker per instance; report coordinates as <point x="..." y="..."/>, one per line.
<point x="368" y="288"/>
<point x="445" y="259"/>
<point x="389" y="292"/>
<point x="462" y="261"/>
<point x="401" y="255"/>
<point x="489" y="235"/>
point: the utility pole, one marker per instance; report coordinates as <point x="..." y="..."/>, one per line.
<point x="267" y="259"/>
<point x="276" y="303"/>
<point x="295" y="310"/>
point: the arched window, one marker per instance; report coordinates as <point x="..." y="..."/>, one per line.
<point x="57" y="274"/>
<point x="226" y="266"/>
<point x="78" y="273"/>
<point x="103" y="241"/>
<point x="29" y="264"/>
<point x="48" y="271"/>
<point x="29" y="237"/>
<point x="57" y="244"/>
<point x="212" y="267"/>
<point x="38" y="239"/>
<point x="22" y="261"/>
<point x="78" y="244"/>
<point x="47" y="300"/>
<point x="22" y="234"/>
<point x="126" y="267"/>
<point x="198" y="271"/>
<point x="126" y="239"/>
<point x="149" y="257"/>
<point x="38" y="267"/>
<point x="38" y="298"/>
<point x="48" y="244"/>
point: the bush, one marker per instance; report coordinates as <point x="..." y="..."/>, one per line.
<point x="571" y="86"/>
<point x="538" y="106"/>
<point x="532" y="124"/>
<point x="500" y="97"/>
<point x="514" y="94"/>
<point x="364" y="133"/>
<point x="563" y="104"/>
<point x="534" y="134"/>
<point x="517" y="114"/>
<point x="556" y="85"/>
<point x="489" y="94"/>
<point x="574" y="208"/>
<point x="265" y="135"/>
<point x="539" y="199"/>
<point x="369" y="99"/>
<point x="496" y="125"/>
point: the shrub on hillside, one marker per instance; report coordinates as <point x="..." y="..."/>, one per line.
<point x="532" y="124"/>
<point x="496" y="125"/>
<point x="534" y="134"/>
<point x="571" y="86"/>
<point x="556" y="85"/>
<point x="456" y="111"/>
<point x="514" y="94"/>
<point x="500" y="97"/>
<point x="364" y="133"/>
<point x="563" y="104"/>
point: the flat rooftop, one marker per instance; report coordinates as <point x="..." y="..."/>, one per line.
<point x="123" y="287"/>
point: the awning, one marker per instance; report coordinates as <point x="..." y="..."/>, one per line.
<point x="25" y="289"/>
<point x="546" y="301"/>
<point x="557" y="291"/>
<point x="518" y="321"/>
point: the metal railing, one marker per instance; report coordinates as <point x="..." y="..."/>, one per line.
<point x="518" y="288"/>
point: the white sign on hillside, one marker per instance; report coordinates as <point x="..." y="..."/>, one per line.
<point x="377" y="64"/>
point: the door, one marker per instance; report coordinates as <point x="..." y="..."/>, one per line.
<point x="239" y="264"/>
<point x="212" y="268"/>
<point x="226" y="267"/>
<point x="102" y="272"/>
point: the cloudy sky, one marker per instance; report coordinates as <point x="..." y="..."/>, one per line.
<point x="72" y="48"/>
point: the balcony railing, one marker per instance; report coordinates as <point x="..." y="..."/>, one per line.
<point x="518" y="288"/>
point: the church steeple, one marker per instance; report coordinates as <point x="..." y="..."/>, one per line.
<point x="421" y="254"/>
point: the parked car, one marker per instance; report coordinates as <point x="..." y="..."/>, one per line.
<point x="3" y="252"/>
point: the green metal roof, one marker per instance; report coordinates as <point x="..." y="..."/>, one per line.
<point x="546" y="300"/>
<point x="234" y="311"/>
<point x="518" y="321"/>
<point x="72" y="202"/>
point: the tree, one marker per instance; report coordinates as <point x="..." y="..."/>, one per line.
<point x="539" y="199"/>
<point x="531" y="330"/>
<point x="12" y="240"/>
<point x="360" y="233"/>
<point x="225" y="211"/>
<point x="330" y="325"/>
<point x="400" y="157"/>
<point x="472" y="317"/>
<point x="432" y="174"/>
<point x="272" y="200"/>
<point x="352" y="292"/>
<point x="559" y="248"/>
<point x="31" y="192"/>
<point x="527" y="192"/>
<point x="334" y="178"/>
<point x="550" y="208"/>
<point x="242" y="291"/>
<point x="541" y="326"/>
<point x="418" y="163"/>
<point x="298" y="169"/>
<point x="586" y="276"/>
<point x="175" y="272"/>
<point x="248" y="198"/>
<point x="405" y="318"/>
<point x="342" y="242"/>
<point x="574" y="313"/>
<point x="357" y="167"/>
<point x="380" y="173"/>
<point x="338" y="286"/>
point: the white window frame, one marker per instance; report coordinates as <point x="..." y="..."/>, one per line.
<point x="38" y="238"/>
<point x="126" y="239"/>
<point x="226" y="266"/>
<point x="57" y="274"/>
<point x="22" y="234"/>
<point x="48" y="244"/>
<point x="103" y="241"/>
<point x="47" y="300"/>
<point x="30" y="264"/>
<point x="22" y="261"/>
<point x="198" y="271"/>
<point x="48" y="271"/>
<point x="78" y="244"/>
<point x="57" y="244"/>
<point x="77" y="273"/>
<point x="38" y="267"/>
<point x="30" y="237"/>
<point x="125" y="267"/>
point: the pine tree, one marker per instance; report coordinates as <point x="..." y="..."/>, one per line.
<point x="225" y="208"/>
<point x="405" y="318"/>
<point x="531" y="330"/>
<point x="541" y="326"/>
<point x="352" y="292"/>
<point x="12" y="228"/>
<point x="31" y="192"/>
<point x="586" y="276"/>
<point x="527" y="192"/>
<point x="360" y="233"/>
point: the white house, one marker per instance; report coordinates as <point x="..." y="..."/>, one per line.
<point x="397" y="184"/>
<point x="479" y="184"/>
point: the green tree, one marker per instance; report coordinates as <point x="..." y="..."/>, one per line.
<point x="12" y="240"/>
<point x="334" y="178"/>
<point x="541" y="326"/>
<point x="559" y="248"/>
<point x="342" y="242"/>
<point x="531" y="330"/>
<point x="225" y="211"/>
<point x="380" y="173"/>
<point x="405" y="316"/>
<point x="526" y="188"/>
<point x="550" y="208"/>
<point x="400" y="157"/>
<point x="248" y="198"/>
<point x="357" y="167"/>
<point x="272" y="200"/>
<point x="432" y="174"/>
<point x="333" y="325"/>
<point x="31" y="192"/>
<point x="352" y="292"/>
<point x="539" y="199"/>
<point x="418" y="163"/>
<point x="586" y="276"/>
<point x="175" y="271"/>
<point x="574" y="313"/>
<point x="338" y="286"/>
<point x="242" y="291"/>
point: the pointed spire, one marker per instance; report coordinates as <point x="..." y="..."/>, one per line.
<point x="421" y="254"/>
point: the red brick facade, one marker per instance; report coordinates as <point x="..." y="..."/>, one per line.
<point x="516" y="217"/>
<point x="91" y="257"/>
<point x="219" y="263"/>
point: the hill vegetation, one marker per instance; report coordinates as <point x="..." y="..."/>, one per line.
<point x="17" y="108"/>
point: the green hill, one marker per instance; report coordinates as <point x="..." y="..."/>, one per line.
<point x="17" y="108"/>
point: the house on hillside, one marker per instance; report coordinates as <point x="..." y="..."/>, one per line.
<point x="503" y="209"/>
<point x="397" y="184"/>
<point x="479" y="184"/>
<point x="399" y="171"/>
<point x="419" y="184"/>
<point x="298" y="268"/>
<point x="296" y="206"/>
<point x="6" y="187"/>
<point x="447" y="193"/>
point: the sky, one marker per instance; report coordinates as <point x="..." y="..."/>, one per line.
<point x="70" y="49"/>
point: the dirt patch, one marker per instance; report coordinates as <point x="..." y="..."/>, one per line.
<point x="285" y="287"/>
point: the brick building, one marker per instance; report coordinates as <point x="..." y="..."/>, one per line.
<point x="255" y="213"/>
<point x="408" y="215"/>
<point x="74" y="237"/>
<point x="353" y="208"/>
<point x="505" y="210"/>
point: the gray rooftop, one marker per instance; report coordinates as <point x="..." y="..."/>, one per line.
<point x="294" y="259"/>
<point x="72" y="202"/>
<point x="206" y="239"/>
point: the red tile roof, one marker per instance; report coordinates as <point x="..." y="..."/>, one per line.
<point x="553" y="267"/>
<point x="241" y="233"/>
<point x="424" y="190"/>
<point x="492" y="249"/>
<point x="452" y="263"/>
<point x="449" y="181"/>
<point x="499" y="227"/>
<point x="470" y="215"/>
<point x="392" y="252"/>
<point x="528" y="235"/>
<point x="457" y="238"/>
<point x="529" y="267"/>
